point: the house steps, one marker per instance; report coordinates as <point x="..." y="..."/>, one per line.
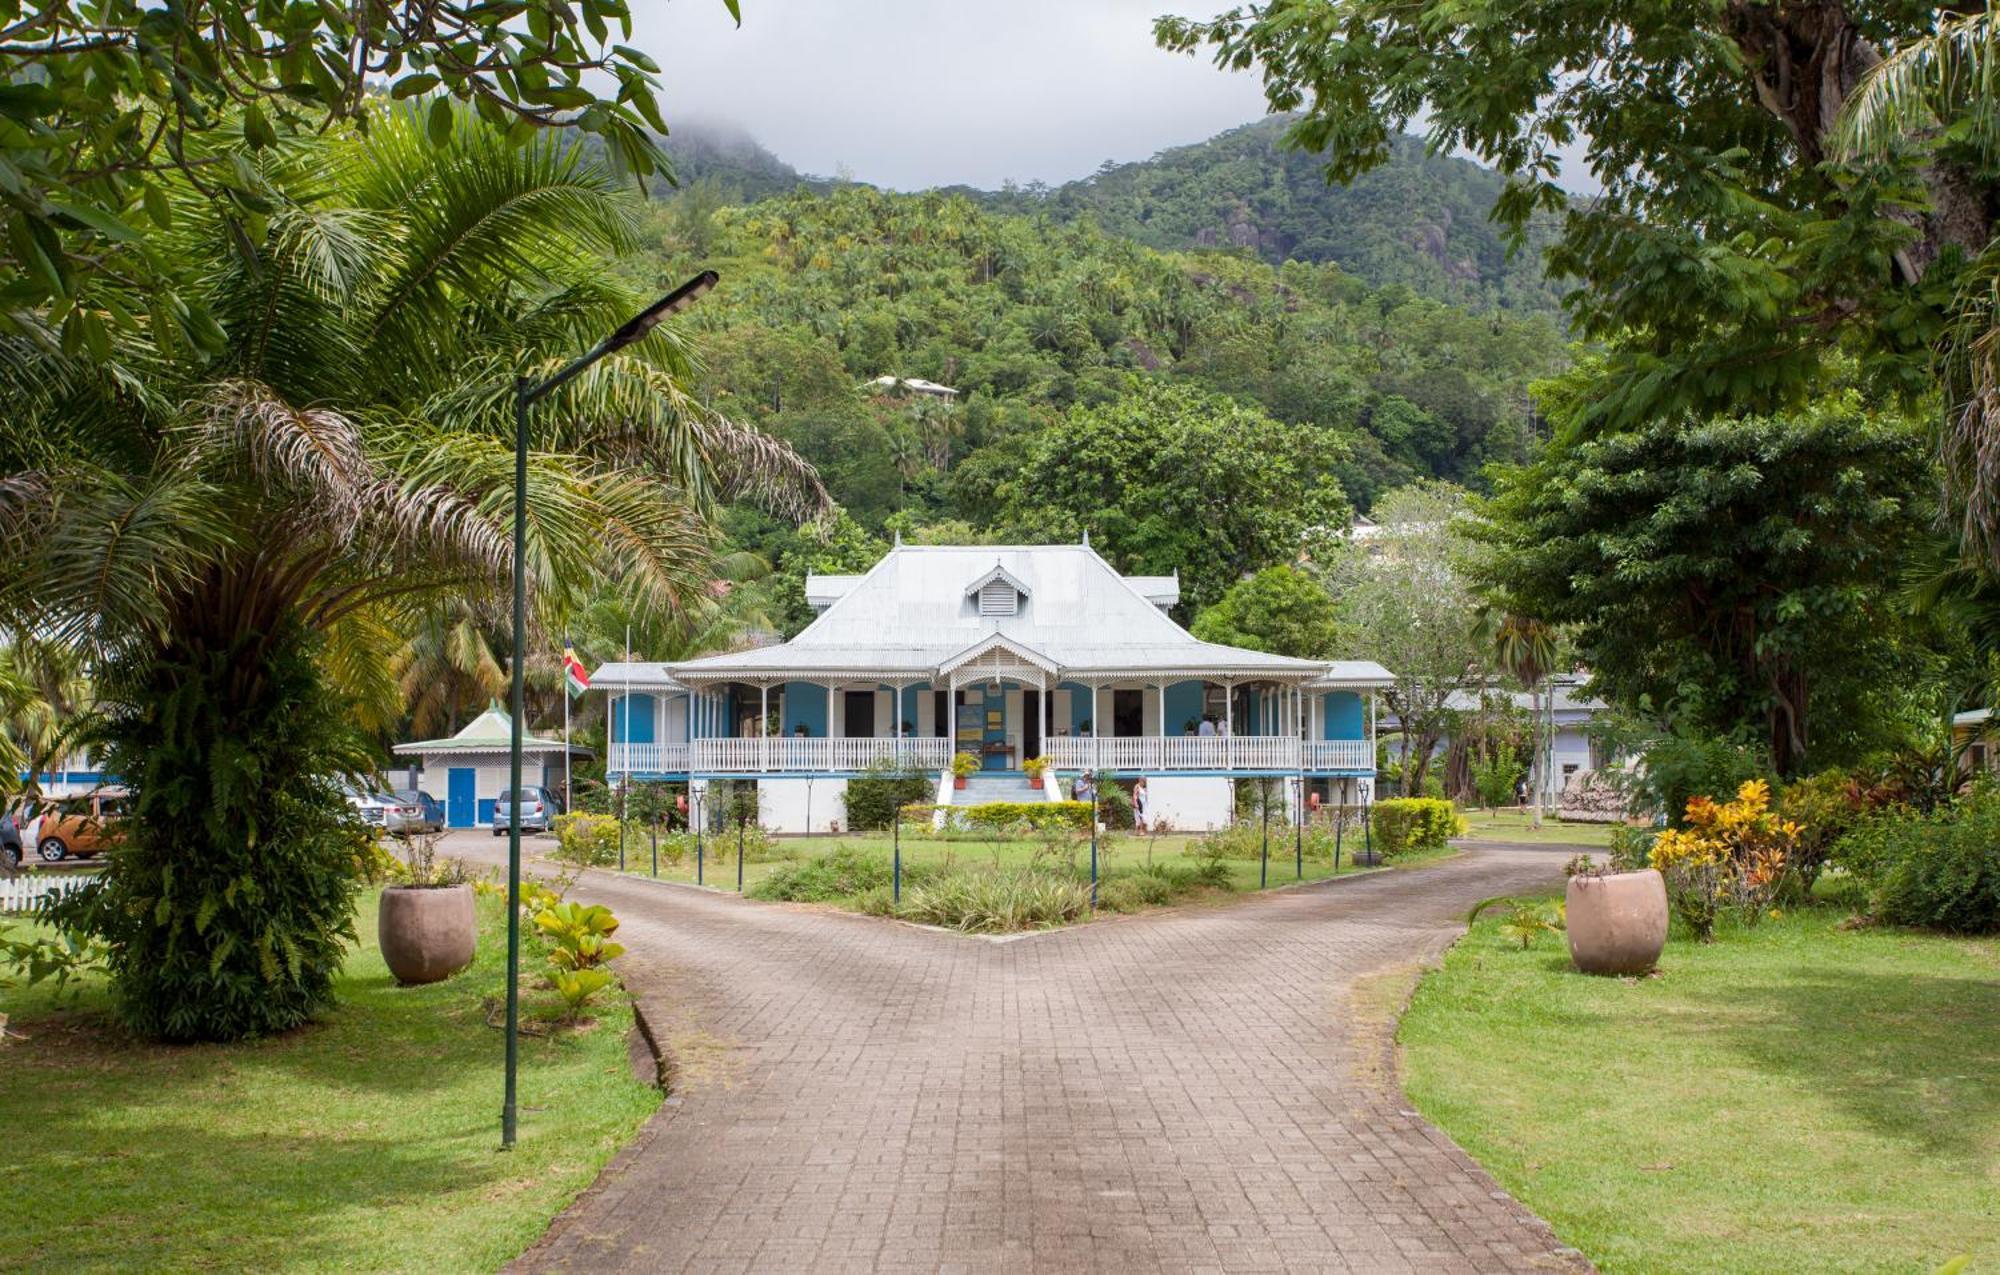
<point x="996" y="785"/>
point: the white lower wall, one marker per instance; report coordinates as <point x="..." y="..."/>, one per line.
<point x="802" y="805"/>
<point x="1190" y="803"/>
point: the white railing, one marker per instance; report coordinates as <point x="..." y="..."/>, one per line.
<point x="1148" y="754"/>
<point x="647" y="759"/>
<point x="20" y="894"/>
<point x="1323" y="755"/>
<point x="797" y="755"/>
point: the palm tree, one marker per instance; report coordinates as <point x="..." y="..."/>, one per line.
<point x="239" y="537"/>
<point x="1948" y="86"/>
<point x="1525" y="650"/>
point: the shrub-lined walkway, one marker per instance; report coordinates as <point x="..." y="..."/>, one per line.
<point x="1175" y="1091"/>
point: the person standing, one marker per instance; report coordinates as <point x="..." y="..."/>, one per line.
<point x="1142" y="802"/>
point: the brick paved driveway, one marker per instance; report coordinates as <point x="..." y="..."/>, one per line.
<point x="1183" y="1091"/>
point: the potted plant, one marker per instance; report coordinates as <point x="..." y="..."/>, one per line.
<point x="426" y="924"/>
<point x="963" y="765"/>
<point x="1035" y="768"/>
<point x="1617" y="921"/>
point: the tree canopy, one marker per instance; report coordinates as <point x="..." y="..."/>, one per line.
<point x="1281" y="609"/>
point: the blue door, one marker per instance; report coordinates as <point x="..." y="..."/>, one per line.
<point x="460" y="808"/>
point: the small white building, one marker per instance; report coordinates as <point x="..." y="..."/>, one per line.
<point x="1005" y="653"/>
<point x="469" y="771"/>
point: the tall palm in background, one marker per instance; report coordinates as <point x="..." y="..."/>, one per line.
<point x="1526" y="650"/>
<point x="240" y="538"/>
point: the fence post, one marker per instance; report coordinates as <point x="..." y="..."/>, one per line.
<point x="1339" y="825"/>
<point x="1367" y="834"/>
<point x="1093" y="841"/>
<point x="653" y="833"/>
<point x="741" y="817"/>
<point x="697" y="832"/>
<point x="1299" y="818"/>
<point x="1264" y="816"/>
<point x="897" y="834"/>
<point x="622" y="810"/>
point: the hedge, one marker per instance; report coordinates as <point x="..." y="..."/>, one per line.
<point x="1005" y="814"/>
<point x="1403" y="824"/>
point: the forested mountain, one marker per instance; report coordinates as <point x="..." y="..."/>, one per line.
<point x="1076" y="349"/>
<point x="727" y="157"/>
<point x="1419" y="220"/>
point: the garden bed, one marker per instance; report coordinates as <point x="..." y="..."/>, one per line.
<point x="1794" y="1097"/>
<point x="999" y="883"/>
<point x="366" y="1141"/>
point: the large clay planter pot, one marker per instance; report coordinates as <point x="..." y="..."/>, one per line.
<point x="1617" y="923"/>
<point x="427" y="934"/>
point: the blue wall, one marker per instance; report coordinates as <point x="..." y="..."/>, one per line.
<point x="805" y="703"/>
<point x="1079" y="709"/>
<point x="1344" y="716"/>
<point x="911" y="697"/>
<point x="1183" y="706"/>
<point x="640" y="728"/>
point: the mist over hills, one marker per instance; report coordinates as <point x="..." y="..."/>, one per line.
<point x="1420" y="221"/>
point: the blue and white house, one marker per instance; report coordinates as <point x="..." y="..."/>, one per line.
<point x="1005" y="653"/>
<point x="468" y="771"/>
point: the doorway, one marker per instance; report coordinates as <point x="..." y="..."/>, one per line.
<point x="860" y="712"/>
<point x="1128" y="713"/>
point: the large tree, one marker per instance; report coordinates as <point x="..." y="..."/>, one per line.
<point x="1281" y="609"/>
<point x="1731" y="247"/>
<point x="1404" y="596"/>
<point x="1729" y="569"/>
<point x="114" y="111"/>
<point x="1170" y="478"/>
<point x="238" y="540"/>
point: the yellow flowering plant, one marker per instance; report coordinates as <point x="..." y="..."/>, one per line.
<point x="1726" y="854"/>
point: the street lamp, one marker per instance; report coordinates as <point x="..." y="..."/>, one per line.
<point x="526" y="395"/>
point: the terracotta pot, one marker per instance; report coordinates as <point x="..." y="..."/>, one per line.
<point x="426" y="934"/>
<point x="1617" y="923"/>
<point x="958" y="781"/>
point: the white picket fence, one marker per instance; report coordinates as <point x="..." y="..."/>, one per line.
<point x="21" y="893"/>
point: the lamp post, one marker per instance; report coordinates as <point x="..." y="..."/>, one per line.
<point x="526" y="395"/>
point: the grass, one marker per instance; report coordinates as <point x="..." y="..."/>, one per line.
<point x="365" y="1142"/>
<point x="931" y="860"/>
<point x="1518" y="826"/>
<point x="1797" y="1097"/>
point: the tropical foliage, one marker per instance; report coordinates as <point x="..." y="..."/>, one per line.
<point x="238" y="538"/>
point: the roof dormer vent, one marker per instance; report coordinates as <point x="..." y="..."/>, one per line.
<point x="997" y="598"/>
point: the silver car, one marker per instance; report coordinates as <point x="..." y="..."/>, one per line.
<point x="383" y="812"/>
<point x="538" y="810"/>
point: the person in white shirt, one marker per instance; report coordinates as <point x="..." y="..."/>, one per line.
<point x="1207" y="727"/>
<point x="1141" y="800"/>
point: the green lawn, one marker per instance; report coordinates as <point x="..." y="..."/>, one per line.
<point x="367" y="1142"/>
<point x="1117" y="852"/>
<point x="1792" y="1098"/>
<point x="1518" y="826"/>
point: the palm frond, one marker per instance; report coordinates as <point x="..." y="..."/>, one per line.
<point x="1953" y="72"/>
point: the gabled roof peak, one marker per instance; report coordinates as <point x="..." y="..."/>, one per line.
<point x="1000" y="573"/>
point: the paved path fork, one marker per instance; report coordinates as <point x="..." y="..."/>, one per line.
<point x="1191" y="1090"/>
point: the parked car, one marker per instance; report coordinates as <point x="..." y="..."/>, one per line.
<point x="382" y="811"/>
<point x="539" y="809"/>
<point x="11" y="849"/>
<point x="80" y="827"/>
<point x="430" y="811"/>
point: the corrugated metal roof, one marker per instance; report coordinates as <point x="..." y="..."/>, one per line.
<point x="912" y="612"/>
<point x="491" y="731"/>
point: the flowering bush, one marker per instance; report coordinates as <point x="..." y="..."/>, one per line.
<point x="1403" y="824"/>
<point x="1730" y="854"/>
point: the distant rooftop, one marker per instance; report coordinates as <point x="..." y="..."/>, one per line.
<point x="915" y="385"/>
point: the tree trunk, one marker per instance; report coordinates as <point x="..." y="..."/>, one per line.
<point x="1806" y="60"/>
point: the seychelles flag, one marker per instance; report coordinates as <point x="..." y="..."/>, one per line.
<point x="577" y="680"/>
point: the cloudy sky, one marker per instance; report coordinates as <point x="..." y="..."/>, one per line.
<point x="914" y="93"/>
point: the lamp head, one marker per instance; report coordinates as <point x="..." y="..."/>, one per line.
<point x="673" y="303"/>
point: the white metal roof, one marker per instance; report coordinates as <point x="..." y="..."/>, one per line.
<point x="916" y="385"/>
<point x="911" y="614"/>
<point x="640" y="675"/>
<point x="491" y="731"/>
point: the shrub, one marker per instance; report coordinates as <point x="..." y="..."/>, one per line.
<point x="836" y="874"/>
<point x="874" y="795"/>
<point x="997" y="902"/>
<point x="1235" y="841"/>
<point x="1683" y="766"/>
<point x="1723" y="855"/>
<point x="1030" y="814"/>
<point x="1135" y="893"/>
<point x="1938" y="871"/>
<point x="1405" y="824"/>
<point x="1825" y="807"/>
<point x="1631" y="848"/>
<point x="1114" y="808"/>
<point x="1494" y="775"/>
<point x="586" y="841"/>
<point x="964" y="765"/>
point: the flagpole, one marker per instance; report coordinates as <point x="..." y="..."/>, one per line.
<point x="566" y="695"/>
